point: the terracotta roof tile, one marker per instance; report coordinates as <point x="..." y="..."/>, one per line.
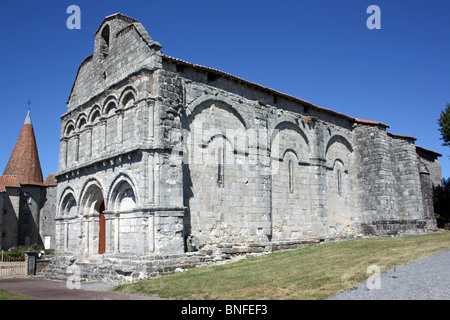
<point x="200" y="67"/>
<point x="437" y="154"/>
<point x="24" y="161"/>
<point x="401" y="136"/>
<point x="50" y="181"/>
<point x="8" y="182"/>
<point x="369" y="122"/>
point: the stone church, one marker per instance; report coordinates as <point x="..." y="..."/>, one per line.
<point x="27" y="202"/>
<point x="164" y="163"/>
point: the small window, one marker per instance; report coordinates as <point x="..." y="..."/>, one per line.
<point x="220" y="166"/>
<point x="81" y="123"/>
<point x="128" y="100"/>
<point x="104" y="46"/>
<point x="111" y="106"/>
<point x="95" y="116"/>
<point x="339" y="181"/>
<point x="69" y="130"/>
<point x="291" y="176"/>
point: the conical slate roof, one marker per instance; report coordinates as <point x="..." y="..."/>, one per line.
<point x="24" y="161"/>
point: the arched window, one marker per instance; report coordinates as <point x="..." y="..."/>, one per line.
<point x="291" y="176"/>
<point x="128" y="100"/>
<point x="110" y="107"/>
<point x="220" y="166"/>
<point x="81" y="122"/>
<point x="95" y="116"/>
<point x="339" y="169"/>
<point x="104" y="46"/>
<point x="339" y="181"/>
<point x="69" y="129"/>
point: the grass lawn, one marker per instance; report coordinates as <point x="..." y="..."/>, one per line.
<point x="7" y="295"/>
<point x="315" y="272"/>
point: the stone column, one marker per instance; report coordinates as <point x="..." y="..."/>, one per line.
<point x="151" y="233"/>
<point x="66" y="235"/>
<point x="151" y="118"/>
<point x="119" y="113"/>
<point x="89" y="141"/>
<point x="108" y="232"/>
<point x="151" y="178"/>
<point x="77" y="147"/>
<point x="318" y="178"/>
<point x="31" y="262"/>
<point x="116" y="233"/>
<point x="103" y="124"/>
<point x="63" y="154"/>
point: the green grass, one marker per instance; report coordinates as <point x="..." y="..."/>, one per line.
<point x="315" y="272"/>
<point x="7" y="295"/>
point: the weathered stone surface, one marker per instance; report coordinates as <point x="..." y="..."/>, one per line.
<point x="165" y="164"/>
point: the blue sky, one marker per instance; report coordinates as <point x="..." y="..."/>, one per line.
<point x="318" y="50"/>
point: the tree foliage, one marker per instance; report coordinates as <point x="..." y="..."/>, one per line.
<point x="441" y="200"/>
<point x="444" y="124"/>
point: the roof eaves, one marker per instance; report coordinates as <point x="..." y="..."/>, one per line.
<point x="437" y="154"/>
<point x="401" y="136"/>
<point x="281" y="94"/>
<point x="85" y="61"/>
<point x="9" y="181"/>
<point x="372" y="123"/>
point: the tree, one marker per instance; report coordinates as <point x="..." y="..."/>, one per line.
<point x="444" y="124"/>
<point x="441" y="194"/>
<point x="441" y="201"/>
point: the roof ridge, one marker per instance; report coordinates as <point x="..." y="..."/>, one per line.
<point x="377" y="123"/>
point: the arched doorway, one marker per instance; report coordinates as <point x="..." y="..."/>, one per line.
<point x="94" y="222"/>
<point x="102" y="229"/>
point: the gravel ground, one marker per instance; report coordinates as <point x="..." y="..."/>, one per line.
<point x="425" y="279"/>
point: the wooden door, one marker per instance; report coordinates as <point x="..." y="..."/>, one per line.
<point x="102" y="230"/>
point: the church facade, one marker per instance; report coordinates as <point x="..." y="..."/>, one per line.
<point x="164" y="158"/>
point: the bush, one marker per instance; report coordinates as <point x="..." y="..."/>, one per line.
<point x="17" y="253"/>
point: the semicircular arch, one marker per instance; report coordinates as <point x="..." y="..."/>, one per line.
<point x="206" y="102"/>
<point x="122" y="194"/>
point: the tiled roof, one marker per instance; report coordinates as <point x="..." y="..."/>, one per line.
<point x="24" y="161"/>
<point x="8" y="181"/>
<point x="50" y="181"/>
<point x="436" y="154"/>
<point x="374" y="123"/>
<point x="401" y="136"/>
<point x="287" y="96"/>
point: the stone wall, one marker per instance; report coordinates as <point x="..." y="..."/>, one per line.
<point x="47" y="214"/>
<point x="10" y="212"/>
<point x="162" y="160"/>
<point x="2" y="212"/>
